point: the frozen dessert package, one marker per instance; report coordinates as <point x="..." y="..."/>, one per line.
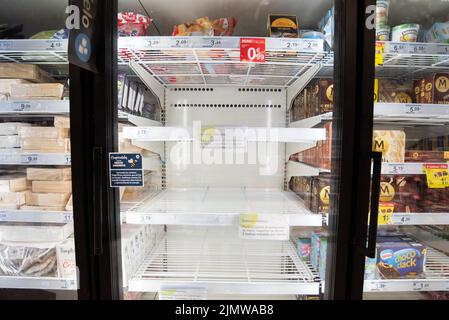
<point x="282" y="26"/>
<point x="326" y="26"/>
<point x="131" y="24"/>
<point x="391" y="143"/>
<point x="405" y="33"/>
<point x="28" y="259"/>
<point x="382" y="7"/>
<point x="383" y="33"/>
<point x="206" y="27"/>
<point x="438" y="33"/>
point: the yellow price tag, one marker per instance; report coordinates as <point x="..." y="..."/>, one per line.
<point x="376" y="90"/>
<point x="437" y="176"/>
<point x="385" y="213"/>
<point x="379" y="56"/>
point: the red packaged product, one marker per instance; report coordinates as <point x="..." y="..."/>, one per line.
<point x="131" y="24"/>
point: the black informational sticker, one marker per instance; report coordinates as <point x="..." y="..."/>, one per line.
<point x="83" y="41"/>
<point x="126" y="170"/>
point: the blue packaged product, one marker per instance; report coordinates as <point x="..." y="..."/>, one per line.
<point x="401" y="259"/>
<point x="322" y="257"/>
<point x="314" y="249"/>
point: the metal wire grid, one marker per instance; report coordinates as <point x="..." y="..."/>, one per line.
<point x="437" y="265"/>
<point x="216" y="255"/>
<point x="35" y="56"/>
<point x="220" y="201"/>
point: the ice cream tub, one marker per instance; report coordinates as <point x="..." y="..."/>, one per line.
<point x="405" y="33"/>
<point x="383" y="33"/>
<point x="382" y="7"/>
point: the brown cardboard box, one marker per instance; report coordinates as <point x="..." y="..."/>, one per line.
<point x="49" y="174"/>
<point x="47" y="199"/>
<point x="395" y="91"/>
<point x="5" y="85"/>
<point x="322" y="97"/>
<point x="391" y="143"/>
<point x="24" y="71"/>
<point x="13" y="183"/>
<point x="62" y="122"/>
<point x="320" y="194"/>
<point x="44" y="132"/>
<point x="434" y="88"/>
<point x="52" y="91"/>
<point x="51" y="186"/>
<point x="46" y="145"/>
<point x="12" y="200"/>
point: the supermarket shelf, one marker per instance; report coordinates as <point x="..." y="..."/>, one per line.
<point x="402" y="59"/>
<point x="436" y="277"/>
<point x="30" y="107"/>
<point x="44" y="283"/>
<point x="289" y="135"/>
<point x="299" y="169"/>
<point x="177" y="61"/>
<point x="216" y="206"/>
<point x="36" y="216"/>
<point x="45" y="159"/>
<point x="217" y="259"/>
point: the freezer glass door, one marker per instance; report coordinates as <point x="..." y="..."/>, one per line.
<point x="411" y="132"/>
<point x="224" y="158"/>
<point x="37" y="253"/>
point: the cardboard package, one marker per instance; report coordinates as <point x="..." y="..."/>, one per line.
<point x="46" y="145"/>
<point x="50" y="91"/>
<point x="44" y="132"/>
<point x="51" y="186"/>
<point x="25" y="72"/>
<point x="49" y="174"/>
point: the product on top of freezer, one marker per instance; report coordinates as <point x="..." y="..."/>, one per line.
<point x="438" y="33"/>
<point x="382" y="8"/>
<point x="44" y="132"/>
<point x="282" y="26"/>
<point x="405" y="33"/>
<point x="13" y="183"/>
<point x="131" y="24"/>
<point x="28" y="259"/>
<point x="383" y="33"/>
<point x="50" y="91"/>
<point x="51" y="186"/>
<point x="434" y="88"/>
<point x="35" y="232"/>
<point x="391" y="143"/>
<point x="61" y="122"/>
<point x="24" y="71"/>
<point x="394" y="91"/>
<point x="45" y="145"/>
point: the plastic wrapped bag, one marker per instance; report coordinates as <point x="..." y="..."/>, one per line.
<point x="131" y="24"/>
<point x="27" y="259"/>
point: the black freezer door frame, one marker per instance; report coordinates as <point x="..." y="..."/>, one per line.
<point x="352" y="142"/>
<point x="93" y="121"/>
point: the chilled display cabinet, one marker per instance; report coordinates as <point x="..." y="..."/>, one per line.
<point x="284" y="155"/>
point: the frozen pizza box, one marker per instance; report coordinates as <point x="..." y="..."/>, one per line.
<point x="51" y="186"/>
<point x="49" y="174"/>
<point x="12" y="200"/>
<point x="45" y="145"/>
<point x="61" y="122"/>
<point x="35" y="232"/>
<point x="5" y="85"/>
<point x="44" y="132"/>
<point x="28" y="72"/>
<point x="10" y="141"/>
<point x="52" y="91"/>
<point x="391" y="143"/>
<point x="13" y="183"/>
<point x="47" y="199"/>
<point x="11" y="128"/>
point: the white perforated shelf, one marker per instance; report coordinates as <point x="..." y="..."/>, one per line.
<point x="217" y="259"/>
<point x="218" y="206"/>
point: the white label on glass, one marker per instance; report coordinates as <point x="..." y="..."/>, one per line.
<point x="264" y="226"/>
<point x="182" y="292"/>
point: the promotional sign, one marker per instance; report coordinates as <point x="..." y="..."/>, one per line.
<point x="126" y="169"/>
<point x="84" y="22"/>
<point x="252" y="49"/>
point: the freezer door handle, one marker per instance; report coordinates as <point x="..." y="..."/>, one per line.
<point x="97" y="200"/>
<point x="370" y="251"/>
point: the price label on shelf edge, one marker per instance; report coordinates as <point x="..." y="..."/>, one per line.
<point x="22" y="106"/>
<point x="29" y="158"/>
<point x="413" y="109"/>
<point x="252" y="49"/>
